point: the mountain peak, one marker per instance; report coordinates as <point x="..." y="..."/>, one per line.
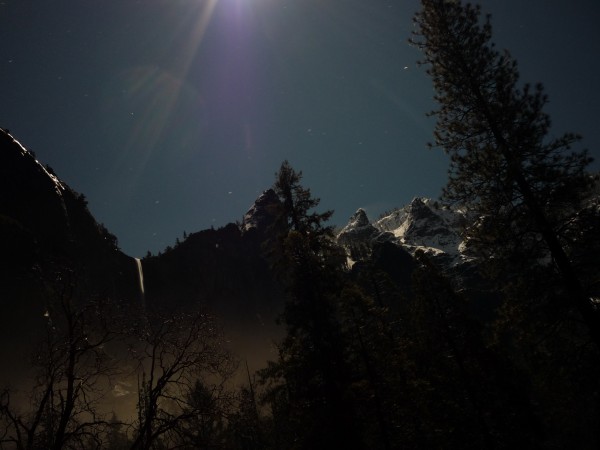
<point x="360" y="231"/>
<point x="262" y="213"/>
<point x="359" y="218"/>
<point x="423" y="224"/>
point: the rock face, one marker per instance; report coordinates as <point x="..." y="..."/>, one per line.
<point x="46" y="226"/>
<point x="33" y="212"/>
<point x="262" y="213"/>
<point x="51" y="247"/>
<point x="359" y="231"/>
<point x="427" y="225"/>
<point x="424" y="225"/>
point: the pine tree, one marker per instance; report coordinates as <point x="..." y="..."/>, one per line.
<point x="306" y="386"/>
<point x="480" y="400"/>
<point x="296" y="205"/>
<point x="523" y="186"/>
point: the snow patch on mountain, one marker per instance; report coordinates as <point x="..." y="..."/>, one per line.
<point x="424" y="224"/>
<point x="359" y="230"/>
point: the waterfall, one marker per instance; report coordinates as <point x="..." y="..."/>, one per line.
<point x="138" y="262"/>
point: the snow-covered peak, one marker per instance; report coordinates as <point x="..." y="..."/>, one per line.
<point x="423" y="224"/>
<point x="360" y="231"/>
<point x="359" y="219"/>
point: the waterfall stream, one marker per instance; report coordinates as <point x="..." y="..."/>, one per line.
<point x="138" y="262"/>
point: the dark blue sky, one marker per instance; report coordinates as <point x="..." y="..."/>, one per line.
<point x="173" y="115"/>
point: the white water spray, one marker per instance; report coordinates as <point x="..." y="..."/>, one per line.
<point x="138" y="262"/>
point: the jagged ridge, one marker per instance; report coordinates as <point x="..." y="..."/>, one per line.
<point x="424" y="224"/>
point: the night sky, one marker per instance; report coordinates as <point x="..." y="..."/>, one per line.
<point x="173" y="115"/>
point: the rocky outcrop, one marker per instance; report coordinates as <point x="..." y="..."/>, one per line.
<point x="263" y="211"/>
<point x="423" y="224"/>
<point x="360" y="231"/>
